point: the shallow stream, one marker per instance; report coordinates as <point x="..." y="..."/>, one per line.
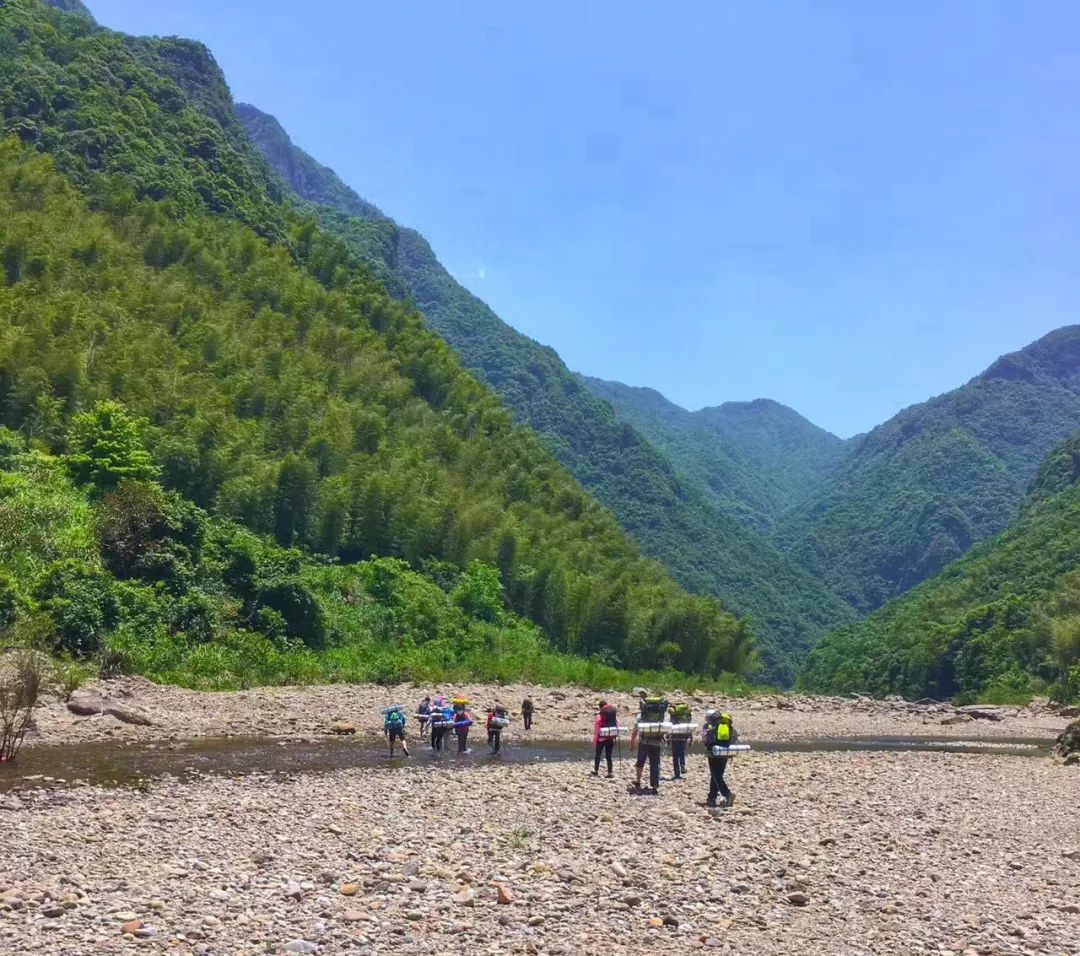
<point x="114" y="763"/>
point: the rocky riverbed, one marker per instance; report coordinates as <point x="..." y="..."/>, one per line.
<point x="838" y="853"/>
<point x="139" y="710"/>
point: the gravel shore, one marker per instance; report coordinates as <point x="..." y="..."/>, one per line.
<point x="832" y="853"/>
<point x="175" y="713"/>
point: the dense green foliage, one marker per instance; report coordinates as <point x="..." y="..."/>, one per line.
<point x="918" y="491"/>
<point x="154" y="111"/>
<point x="752" y="460"/>
<point x="707" y="550"/>
<point x="1002" y="622"/>
<point x="139" y="580"/>
<point x="322" y="414"/>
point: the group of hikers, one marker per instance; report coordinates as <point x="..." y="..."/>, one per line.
<point x="438" y="718"/>
<point x="658" y="724"/>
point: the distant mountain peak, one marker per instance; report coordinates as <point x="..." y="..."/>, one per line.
<point x="71" y="6"/>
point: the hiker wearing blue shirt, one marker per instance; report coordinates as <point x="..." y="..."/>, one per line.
<point x="394" y="728"/>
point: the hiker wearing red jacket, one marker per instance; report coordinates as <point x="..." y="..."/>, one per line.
<point x="606" y="719"/>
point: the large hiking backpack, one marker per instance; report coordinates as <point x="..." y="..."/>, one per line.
<point x="609" y="716"/>
<point x="395" y="720"/>
<point x="653" y="710"/>
<point x="651" y="723"/>
<point x="680" y="714"/>
<point x="718" y="732"/>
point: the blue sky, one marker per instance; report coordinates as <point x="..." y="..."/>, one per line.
<point x="844" y="206"/>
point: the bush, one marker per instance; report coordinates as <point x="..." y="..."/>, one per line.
<point x="22" y="678"/>
<point x="80" y="601"/>
<point x="145" y="532"/>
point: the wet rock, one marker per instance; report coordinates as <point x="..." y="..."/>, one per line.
<point x="85" y="703"/>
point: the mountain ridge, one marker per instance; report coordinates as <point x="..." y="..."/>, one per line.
<point x="707" y="551"/>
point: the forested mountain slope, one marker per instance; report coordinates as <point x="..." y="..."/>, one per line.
<point x="704" y="548"/>
<point x="916" y="492"/>
<point x="283" y="388"/>
<point x="1003" y="620"/>
<point x="753" y="460"/>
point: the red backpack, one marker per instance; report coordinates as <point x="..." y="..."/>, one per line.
<point x="608" y="716"/>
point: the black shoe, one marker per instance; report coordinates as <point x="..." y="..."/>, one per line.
<point x="653" y="791"/>
<point x="711" y="804"/>
<point x="610" y="775"/>
<point x="596" y="773"/>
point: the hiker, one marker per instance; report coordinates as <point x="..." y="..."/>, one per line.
<point x="462" y="720"/>
<point x="527" y="712"/>
<point x="649" y="735"/>
<point x="682" y="733"/>
<point x="441" y="718"/>
<point x="717" y="735"/>
<point x="423" y="715"/>
<point x="498" y="718"/>
<point x="394" y="727"/>
<point x="605" y="733"/>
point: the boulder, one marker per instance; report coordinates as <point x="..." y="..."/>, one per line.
<point x="982" y="712"/>
<point x="86" y="703"/>
<point x="1068" y="742"/>
<point x="342" y="728"/>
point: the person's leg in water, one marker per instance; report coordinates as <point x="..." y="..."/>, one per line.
<point x="436" y="739"/>
<point x="401" y="736"/>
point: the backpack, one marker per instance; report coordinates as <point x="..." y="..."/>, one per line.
<point x="394" y="720"/>
<point x="609" y="716"/>
<point x="653" y="710"/>
<point x="680" y="714"/>
<point x="718" y="733"/>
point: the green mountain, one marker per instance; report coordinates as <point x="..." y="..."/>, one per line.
<point x="1002" y="621"/>
<point x="916" y="492"/>
<point x="283" y="390"/>
<point x="705" y="549"/>
<point x="752" y="460"/>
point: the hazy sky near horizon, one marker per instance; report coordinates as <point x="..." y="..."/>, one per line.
<point x="844" y="206"/>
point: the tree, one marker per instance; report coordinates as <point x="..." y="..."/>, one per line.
<point x="106" y="447"/>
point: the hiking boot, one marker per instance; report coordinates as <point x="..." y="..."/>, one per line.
<point x="653" y="792"/>
<point x="610" y="775"/>
<point x="596" y="773"/>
